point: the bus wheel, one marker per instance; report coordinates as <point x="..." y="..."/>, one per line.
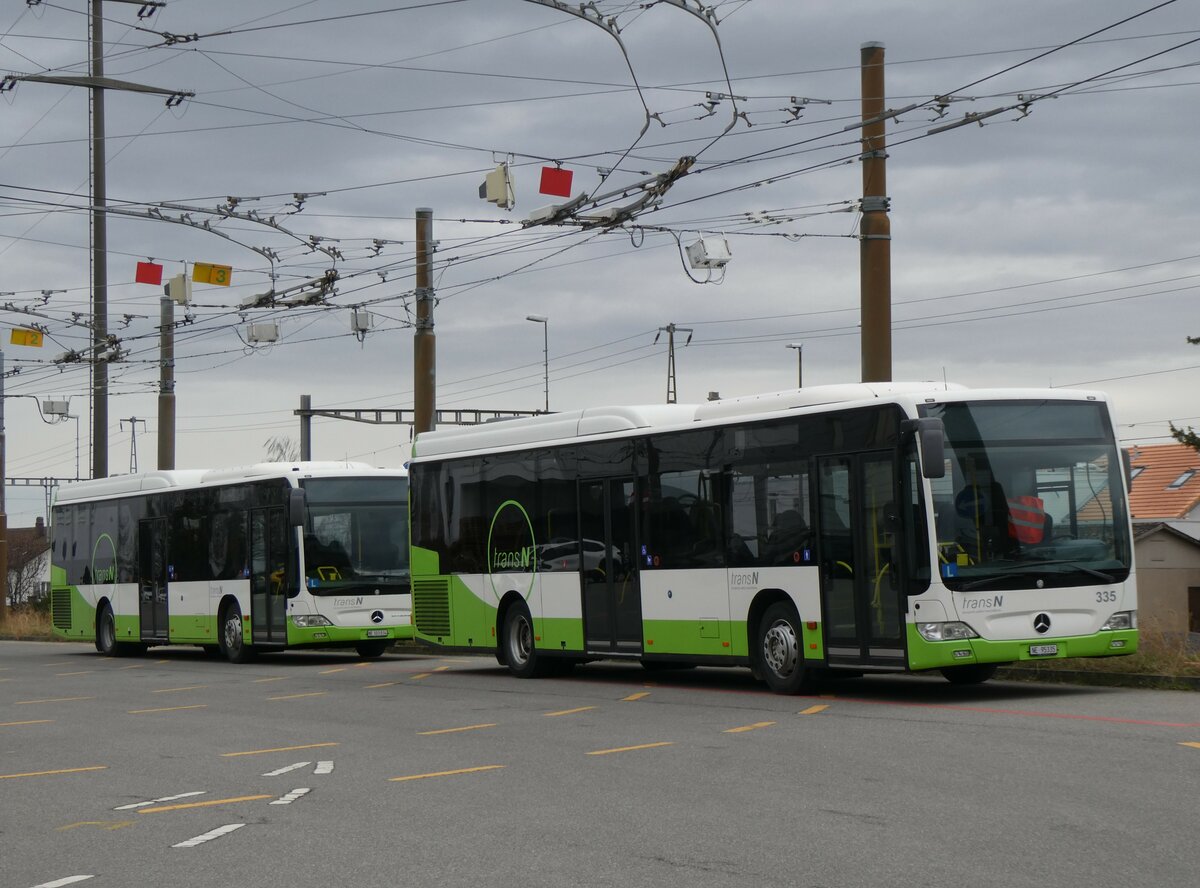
<point x="517" y="637"/>
<point x="369" y="650"/>
<point x="233" y="646"/>
<point x="974" y="674"/>
<point x="106" y="631"/>
<point x="779" y="652"/>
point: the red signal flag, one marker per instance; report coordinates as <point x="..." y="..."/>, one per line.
<point x="556" y="181"/>
<point x="148" y="273"/>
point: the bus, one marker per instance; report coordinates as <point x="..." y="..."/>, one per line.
<point x="898" y="527"/>
<point x="240" y="560"/>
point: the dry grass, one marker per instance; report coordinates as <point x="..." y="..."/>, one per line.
<point x="26" y="624"/>
<point x="1159" y="653"/>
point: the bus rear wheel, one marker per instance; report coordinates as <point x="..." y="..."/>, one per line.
<point x="780" y="656"/>
<point x="520" y="654"/>
<point x="233" y="645"/>
<point x="106" y="636"/>
<point x="976" y="673"/>
<point x="106" y="631"/>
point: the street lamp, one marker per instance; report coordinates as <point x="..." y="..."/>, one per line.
<point x="545" y="322"/>
<point x="799" y="347"/>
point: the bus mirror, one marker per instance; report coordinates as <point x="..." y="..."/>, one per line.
<point x="296" y="504"/>
<point x="931" y="442"/>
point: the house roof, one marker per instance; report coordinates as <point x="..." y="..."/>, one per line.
<point x="1166" y="482"/>
<point x="25" y="544"/>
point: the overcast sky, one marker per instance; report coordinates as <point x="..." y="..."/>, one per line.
<point x="1054" y="248"/>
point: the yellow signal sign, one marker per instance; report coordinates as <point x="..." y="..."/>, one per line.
<point x="23" y="336"/>
<point x="207" y="273"/>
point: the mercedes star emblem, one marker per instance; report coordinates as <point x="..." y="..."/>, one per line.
<point x="1041" y="623"/>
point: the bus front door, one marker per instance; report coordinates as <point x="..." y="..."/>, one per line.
<point x="612" y="601"/>
<point x="268" y="575"/>
<point x="152" y="579"/>
<point x="860" y="585"/>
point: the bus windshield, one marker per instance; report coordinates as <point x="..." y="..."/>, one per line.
<point x="355" y="533"/>
<point x="1031" y="496"/>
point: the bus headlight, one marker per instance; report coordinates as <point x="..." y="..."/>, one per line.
<point x="952" y="631"/>
<point x="310" y="621"/>
<point x="1121" y="620"/>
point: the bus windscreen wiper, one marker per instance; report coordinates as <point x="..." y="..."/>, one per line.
<point x="1028" y="566"/>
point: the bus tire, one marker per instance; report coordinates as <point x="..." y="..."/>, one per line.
<point x="233" y="644"/>
<point x="780" y="654"/>
<point x="516" y="637"/>
<point x="976" y="673"/>
<point x="106" y="631"/>
<point x="369" y="650"/>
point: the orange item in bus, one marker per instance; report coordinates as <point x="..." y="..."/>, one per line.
<point x="1026" y="519"/>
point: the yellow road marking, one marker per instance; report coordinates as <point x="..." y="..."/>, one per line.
<point x="167" y="709"/>
<point x="208" y="804"/>
<point x="277" y="749"/>
<point x="363" y="665"/>
<point x="134" y="666"/>
<point x="386" y="684"/>
<point x="1193" y="745"/>
<point x="632" y="748"/>
<point x="744" y="728"/>
<point x="298" y="696"/>
<point x="60" y="771"/>
<point x="813" y="710"/>
<point x="7" y="679"/>
<point x="40" y="721"/>
<point x="446" y="773"/>
<point x="53" y="700"/>
<point x="636" y="696"/>
<point x="441" y="668"/>
<point x="421" y="675"/>
<point x="162" y="661"/>
<point x="569" y="711"/>
<point x="103" y="824"/>
<point x="330" y="671"/>
<point x="84" y="672"/>
<point x="188" y="688"/>
<point x="276" y="678"/>
<point x="455" y="730"/>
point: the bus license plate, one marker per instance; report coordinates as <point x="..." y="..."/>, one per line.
<point x="1043" y="650"/>
<point x="377" y="633"/>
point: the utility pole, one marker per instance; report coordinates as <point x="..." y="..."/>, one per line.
<point x="305" y="412"/>
<point x="671" y="330"/>
<point x="875" y="271"/>
<point x="424" y="343"/>
<point x="166" y="384"/>
<point x="545" y="322"/>
<point x="3" y="511"/>
<point x="97" y="83"/>
<point x="133" y="421"/>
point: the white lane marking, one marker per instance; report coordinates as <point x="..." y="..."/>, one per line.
<point x="291" y="796"/>
<point x="285" y="769"/>
<point x="182" y="795"/>
<point x="323" y="768"/>
<point x="210" y="835"/>
<point x="69" y="880"/>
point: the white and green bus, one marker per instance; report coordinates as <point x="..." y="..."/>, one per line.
<point x="240" y="560"/>
<point x="860" y="528"/>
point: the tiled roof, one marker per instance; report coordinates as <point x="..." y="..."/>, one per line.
<point x="1151" y="495"/>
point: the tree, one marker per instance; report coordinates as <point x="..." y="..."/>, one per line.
<point x="1188" y="436"/>
<point x="28" y="556"/>
<point x="281" y="448"/>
